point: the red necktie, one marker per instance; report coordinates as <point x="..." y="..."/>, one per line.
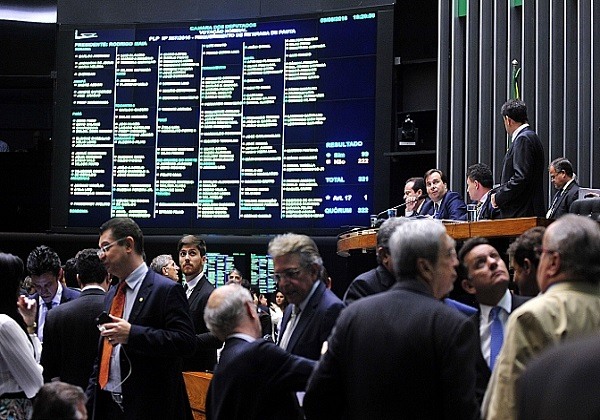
<point x="116" y="309"/>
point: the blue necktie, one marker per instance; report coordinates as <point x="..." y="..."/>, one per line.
<point x="496" y="335"/>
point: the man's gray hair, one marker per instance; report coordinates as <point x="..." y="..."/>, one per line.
<point x="291" y="243"/>
<point x="160" y="261"/>
<point x="419" y="238"/>
<point x="225" y="309"/>
<point x="577" y="240"/>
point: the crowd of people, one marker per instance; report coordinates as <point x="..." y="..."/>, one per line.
<point x="108" y="334"/>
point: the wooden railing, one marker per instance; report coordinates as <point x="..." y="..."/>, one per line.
<point x="366" y="239"/>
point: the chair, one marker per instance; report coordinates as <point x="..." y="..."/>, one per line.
<point x="587" y="207"/>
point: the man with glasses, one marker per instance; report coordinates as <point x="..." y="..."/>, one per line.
<point x="192" y="260"/>
<point x="313" y="308"/>
<point x="137" y="374"/>
<point x="561" y="177"/>
<point x="569" y="306"/>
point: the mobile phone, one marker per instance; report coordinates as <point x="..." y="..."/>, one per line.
<point x="103" y="318"/>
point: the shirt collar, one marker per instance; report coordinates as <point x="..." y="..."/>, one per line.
<point x="505" y="303"/>
<point x="518" y="131"/>
<point x="136" y="276"/>
<point x="242" y="336"/>
<point x="192" y="283"/>
<point x="303" y="304"/>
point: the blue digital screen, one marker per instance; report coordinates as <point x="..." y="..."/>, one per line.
<point x="241" y="126"/>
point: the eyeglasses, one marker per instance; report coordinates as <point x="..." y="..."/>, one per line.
<point x="541" y="250"/>
<point x="104" y="249"/>
<point x="290" y="273"/>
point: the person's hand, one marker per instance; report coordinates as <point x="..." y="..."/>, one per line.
<point x="27" y="308"/>
<point x="117" y="332"/>
<point x="493" y="201"/>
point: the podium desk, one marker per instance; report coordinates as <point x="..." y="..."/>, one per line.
<point x="196" y="385"/>
<point x="366" y="239"/>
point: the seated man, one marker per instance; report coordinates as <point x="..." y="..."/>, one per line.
<point x="479" y="183"/>
<point x="414" y="196"/>
<point x="254" y="379"/>
<point x="443" y="204"/>
<point x="524" y="260"/>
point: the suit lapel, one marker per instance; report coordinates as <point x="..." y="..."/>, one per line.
<point x="306" y="315"/>
<point x="142" y="296"/>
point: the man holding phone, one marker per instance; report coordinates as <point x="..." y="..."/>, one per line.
<point x="137" y="374"/>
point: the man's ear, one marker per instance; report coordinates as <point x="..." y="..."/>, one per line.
<point x="527" y="266"/>
<point x="425" y="269"/>
<point x="468" y="287"/>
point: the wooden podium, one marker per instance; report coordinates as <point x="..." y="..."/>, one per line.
<point x="196" y="385"/>
<point x="366" y="239"/>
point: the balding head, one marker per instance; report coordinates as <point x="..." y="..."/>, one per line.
<point x="230" y="310"/>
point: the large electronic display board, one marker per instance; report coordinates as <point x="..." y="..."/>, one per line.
<point x="262" y="125"/>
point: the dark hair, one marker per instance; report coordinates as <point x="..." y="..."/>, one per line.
<point x="58" y="400"/>
<point x="43" y="260"/>
<point x="562" y="164"/>
<point x="70" y="272"/>
<point x="524" y="246"/>
<point x="515" y="109"/>
<point x="418" y="184"/>
<point x="11" y="273"/>
<point x="432" y="171"/>
<point x="481" y="173"/>
<point x="121" y="228"/>
<point x="192" y="240"/>
<point x="89" y="267"/>
<point x="469" y="245"/>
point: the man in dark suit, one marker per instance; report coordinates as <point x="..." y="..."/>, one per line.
<point x="381" y="278"/>
<point x="313" y="308"/>
<point x="254" y="379"/>
<point x="46" y="273"/>
<point x="192" y="259"/>
<point x="442" y="204"/>
<point x="71" y="343"/>
<point x="479" y="183"/>
<point x="415" y="195"/>
<point x="487" y="279"/>
<point x="561" y="177"/>
<point x="521" y="193"/>
<point x="142" y="377"/>
<point x="562" y="383"/>
<point x="401" y="353"/>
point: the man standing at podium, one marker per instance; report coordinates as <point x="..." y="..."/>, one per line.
<point x="521" y="193"/>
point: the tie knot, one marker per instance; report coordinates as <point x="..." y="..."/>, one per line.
<point x="494" y="312"/>
<point x="296" y="309"/>
<point x="121" y="287"/>
<point x="479" y="204"/>
<point x="49" y="305"/>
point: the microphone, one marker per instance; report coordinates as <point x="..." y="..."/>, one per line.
<point x="391" y="208"/>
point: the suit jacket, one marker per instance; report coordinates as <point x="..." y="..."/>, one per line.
<point x="68" y="295"/>
<point x="398" y="354"/>
<point x="315" y="323"/>
<point x="487" y="211"/>
<point x="565" y="200"/>
<point x="452" y="207"/>
<point x="521" y="193"/>
<point x="482" y="369"/>
<point x="205" y="356"/>
<point x="161" y="334"/>
<point x="255" y="381"/>
<point x="71" y="339"/>
<point x="563" y="383"/>
<point x="373" y="281"/>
